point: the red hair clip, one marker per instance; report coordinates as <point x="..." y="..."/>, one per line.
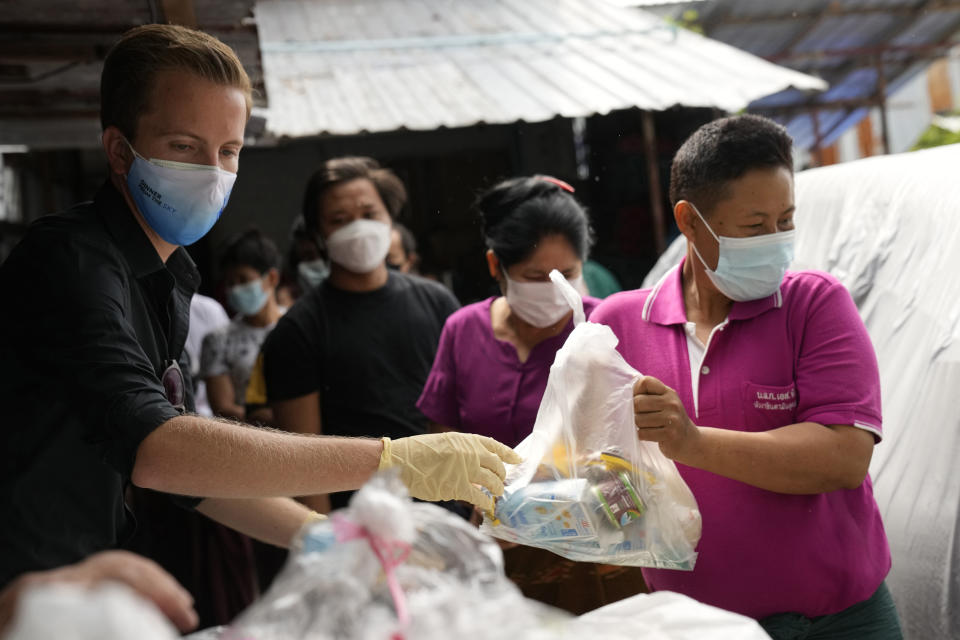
<point x="560" y="183"/>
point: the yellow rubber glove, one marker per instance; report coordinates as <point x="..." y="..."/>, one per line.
<point x="314" y="516"/>
<point x="446" y="466"/>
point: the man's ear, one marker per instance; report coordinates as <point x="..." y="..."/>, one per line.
<point x="685" y="218"/>
<point x="115" y="146"/>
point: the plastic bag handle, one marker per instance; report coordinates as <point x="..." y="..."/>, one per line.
<point x="571" y="295"/>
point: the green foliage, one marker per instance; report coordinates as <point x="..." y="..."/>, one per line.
<point x="688" y="20"/>
<point x="936" y="136"/>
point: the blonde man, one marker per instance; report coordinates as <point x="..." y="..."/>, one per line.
<point x="92" y="385"/>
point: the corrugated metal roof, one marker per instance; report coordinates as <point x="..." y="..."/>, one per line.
<point x="342" y="67"/>
<point x="51" y="58"/>
<point x="842" y="41"/>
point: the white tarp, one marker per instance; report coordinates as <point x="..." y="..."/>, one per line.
<point x="889" y="229"/>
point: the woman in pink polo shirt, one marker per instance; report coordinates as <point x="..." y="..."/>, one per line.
<point x="491" y="367"/>
<point x="762" y="385"/>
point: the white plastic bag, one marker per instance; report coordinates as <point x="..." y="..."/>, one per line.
<point x="335" y="587"/>
<point x="108" y="611"/>
<point x="445" y="579"/>
<point x="664" y="615"/>
<point x="588" y="489"/>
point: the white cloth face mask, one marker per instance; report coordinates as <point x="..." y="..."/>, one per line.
<point x="749" y="268"/>
<point x="361" y="246"/>
<point x="538" y="303"/>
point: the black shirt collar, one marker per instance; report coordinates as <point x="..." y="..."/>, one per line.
<point x="134" y="244"/>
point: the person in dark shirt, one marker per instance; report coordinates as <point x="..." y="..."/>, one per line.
<point x="351" y="356"/>
<point x="94" y="393"/>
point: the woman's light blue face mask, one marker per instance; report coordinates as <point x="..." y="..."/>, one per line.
<point x="179" y="200"/>
<point x="749" y="268"/>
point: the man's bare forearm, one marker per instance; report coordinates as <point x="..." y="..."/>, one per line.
<point x="271" y="520"/>
<point x="196" y="456"/>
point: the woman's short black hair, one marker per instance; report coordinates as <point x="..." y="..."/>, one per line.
<point x="517" y="213"/>
<point x="250" y="248"/>
<point x="722" y="151"/>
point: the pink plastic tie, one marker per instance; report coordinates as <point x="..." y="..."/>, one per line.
<point x="390" y="553"/>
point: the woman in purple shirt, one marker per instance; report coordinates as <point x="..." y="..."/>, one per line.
<point x="494" y="357"/>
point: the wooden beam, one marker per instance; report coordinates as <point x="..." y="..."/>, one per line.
<point x="865" y="137"/>
<point x="22" y="29"/>
<point x="817" y="137"/>
<point x="882" y="99"/>
<point x="718" y="15"/>
<point x="653" y="177"/>
<point x="835" y="10"/>
<point x="26" y="49"/>
<point x="13" y="29"/>
<point x="28" y="102"/>
<point x="789" y="109"/>
<point x="938" y="48"/>
<point x="180" y="12"/>
<point x="64" y="113"/>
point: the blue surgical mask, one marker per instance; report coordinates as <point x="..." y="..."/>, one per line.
<point x="248" y="298"/>
<point x="749" y="268"/>
<point x="312" y="273"/>
<point x="179" y="200"/>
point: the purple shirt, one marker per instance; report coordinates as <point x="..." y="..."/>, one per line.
<point x="479" y="385"/>
<point x="800" y="355"/>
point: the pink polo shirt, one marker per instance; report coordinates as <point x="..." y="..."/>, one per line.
<point x="800" y="355"/>
<point x="478" y="384"/>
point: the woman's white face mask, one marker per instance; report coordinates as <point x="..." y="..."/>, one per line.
<point x="538" y="303"/>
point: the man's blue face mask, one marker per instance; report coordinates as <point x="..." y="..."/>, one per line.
<point x="179" y="200"/>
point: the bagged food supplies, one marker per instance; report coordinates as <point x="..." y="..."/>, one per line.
<point x="588" y="489"/>
<point x="387" y="568"/>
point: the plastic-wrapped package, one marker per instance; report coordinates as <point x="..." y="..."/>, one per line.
<point x="385" y="568"/>
<point x="588" y="489"/>
<point x="110" y="611"/>
<point x="663" y="616"/>
<point x="445" y="579"/>
<point x="887" y="227"/>
<point x="448" y="582"/>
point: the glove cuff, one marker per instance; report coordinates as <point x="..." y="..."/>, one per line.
<point x="386" y="456"/>
<point x="314" y="516"/>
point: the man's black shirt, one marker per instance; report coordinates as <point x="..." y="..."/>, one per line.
<point x="92" y="317"/>
<point x="367" y="353"/>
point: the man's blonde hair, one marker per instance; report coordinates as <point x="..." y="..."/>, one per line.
<point x="134" y="61"/>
